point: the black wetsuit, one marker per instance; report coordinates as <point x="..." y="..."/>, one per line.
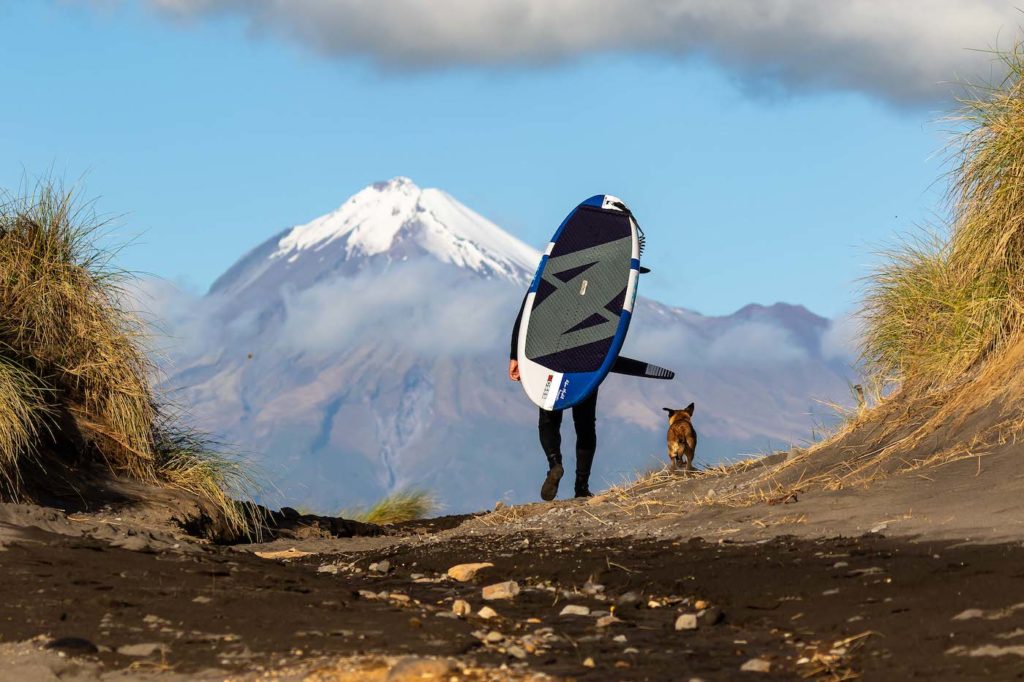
<point x="549" y="424"/>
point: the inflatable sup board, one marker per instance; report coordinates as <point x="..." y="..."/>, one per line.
<point x="578" y="308"/>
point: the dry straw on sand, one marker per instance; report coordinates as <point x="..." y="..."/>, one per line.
<point x="75" y="383"/>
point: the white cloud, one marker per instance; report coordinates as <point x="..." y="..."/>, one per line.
<point x="842" y="340"/>
<point x="906" y="51"/>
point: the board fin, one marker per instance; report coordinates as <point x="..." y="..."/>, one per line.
<point x="643" y="270"/>
<point x="639" y="368"/>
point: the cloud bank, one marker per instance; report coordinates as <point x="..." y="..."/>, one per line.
<point x="904" y="51"/>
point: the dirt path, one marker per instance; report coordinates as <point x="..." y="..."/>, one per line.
<point x="882" y="608"/>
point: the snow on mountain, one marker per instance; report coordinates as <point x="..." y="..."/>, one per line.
<point x="329" y="355"/>
<point x="389" y="221"/>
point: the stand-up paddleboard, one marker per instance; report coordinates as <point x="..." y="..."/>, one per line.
<point x="579" y="305"/>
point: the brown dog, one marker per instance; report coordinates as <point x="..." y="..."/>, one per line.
<point x="682" y="439"/>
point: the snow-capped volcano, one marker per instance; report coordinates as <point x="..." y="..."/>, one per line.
<point x="385" y="222"/>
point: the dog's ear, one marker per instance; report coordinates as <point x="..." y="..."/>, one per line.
<point x="669" y="410"/>
<point x="689" y="409"/>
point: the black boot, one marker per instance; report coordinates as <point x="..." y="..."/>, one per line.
<point x="550" y="487"/>
<point x="584" y="460"/>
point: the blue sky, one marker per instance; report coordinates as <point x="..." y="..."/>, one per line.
<point x="207" y="138"/>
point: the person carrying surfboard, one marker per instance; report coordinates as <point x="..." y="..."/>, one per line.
<point x="571" y="326"/>
<point x="549" y="427"/>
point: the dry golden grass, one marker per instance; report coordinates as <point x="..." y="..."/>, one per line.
<point x="74" y="379"/>
<point x="406" y="505"/>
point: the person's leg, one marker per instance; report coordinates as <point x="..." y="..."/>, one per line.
<point x="584" y="417"/>
<point x="549" y="426"/>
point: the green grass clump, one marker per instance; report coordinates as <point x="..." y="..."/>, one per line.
<point x="939" y="306"/>
<point x="407" y="505"/>
<point x="75" y="382"/>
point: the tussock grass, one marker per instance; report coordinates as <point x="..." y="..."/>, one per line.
<point x="75" y="382"/>
<point x="406" y="505"/>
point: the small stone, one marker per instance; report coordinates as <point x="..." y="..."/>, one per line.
<point x="592" y="588"/>
<point x="575" y="610"/>
<point x="687" y="621"/>
<point x="202" y="600"/>
<point x="418" y="669"/>
<point x="829" y="593"/>
<point x="142" y="650"/>
<point x="621" y="639"/>
<point x="493" y="637"/>
<point x="588" y="662"/>
<point x="756" y="665"/>
<point x="840" y="564"/>
<point x="367" y="594"/>
<point x="486" y="612"/>
<point x="711" y="616"/>
<point x="505" y="590"/>
<point x="630" y="650"/>
<point x="631" y="598"/>
<point x="73" y="646"/>
<point x="700" y="605"/>
<point x="654" y="604"/>
<point x="399" y="597"/>
<point x="607" y="621"/>
<point x="516" y="652"/>
<point x="969" y="614"/>
<point x="466" y="572"/>
<point x="380" y="567"/>
<point x="461" y="608"/>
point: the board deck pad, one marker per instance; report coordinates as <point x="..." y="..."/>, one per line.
<point x="579" y="305"/>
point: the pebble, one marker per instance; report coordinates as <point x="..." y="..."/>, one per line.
<point x="379" y="567"/>
<point x="575" y="610"/>
<point x="493" y="637"/>
<point x="606" y="621"/>
<point x="202" y="600"/>
<point x="487" y="613"/>
<point x="969" y="614"/>
<point x="829" y="593"/>
<point x="621" y="639"/>
<point x="461" y="608"/>
<point x="711" y="616"/>
<point x="516" y="652"/>
<point x="142" y="650"/>
<point x="687" y="621"/>
<point x="588" y="662"/>
<point x="631" y="598"/>
<point x="466" y="572"/>
<point x="756" y="665"/>
<point x="505" y="590"/>
<point x="410" y="669"/>
<point x="700" y="605"/>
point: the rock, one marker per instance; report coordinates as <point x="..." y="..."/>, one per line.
<point x="461" y="608"/>
<point x="653" y="604"/>
<point x="630" y="599"/>
<point x="466" y="572"/>
<point x="575" y="610"/>
<point x="757" y="665"/>
<point x="486" y="612"/>
<point x="142" y="650"/>
<point x="969" y="614"/>
<point x="592" y="588"/>
<point x="588" y="662"/>
<point x="419" y="670"/>
<point x="505" y="590"/>
<point x="607" y="621"/>
<point x="621" y="639"/>
<point x="201" y="600"/>
<point x="687" y="621"/>
<point x="700" y="605"/>
<point x="379" y="567"/>
<point x="516" y="652"/>
<point x="493" y="637"/>
<point x="73" y="646"/>
<point x="711" y="616"/>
